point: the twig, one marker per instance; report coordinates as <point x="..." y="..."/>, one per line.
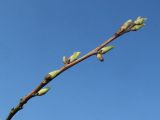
<point x="48" y="78"/>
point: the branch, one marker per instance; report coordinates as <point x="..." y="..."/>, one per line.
<point x="126" y="27"/>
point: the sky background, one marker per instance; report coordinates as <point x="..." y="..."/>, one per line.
<point x="36" y="34"/>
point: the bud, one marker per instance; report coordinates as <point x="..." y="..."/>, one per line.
<point x="65" y="60"/>
<point x="137" y="27"/>
<point x="126" y="24"/>
<point x="43" y="91"/>
<point x="106" y="49"/>
<point x="138" y="23"/>
<point x="140" y="20"/>
<point x="53" y="74"/>
<point x="74" y="56"/>
<point x="100" y="57"/>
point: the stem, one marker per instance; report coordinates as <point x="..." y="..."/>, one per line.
<point x="47" y="79"/>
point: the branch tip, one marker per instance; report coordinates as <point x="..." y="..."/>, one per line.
<point x="128" y="26"/>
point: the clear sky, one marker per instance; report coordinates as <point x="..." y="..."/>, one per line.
<point x="36" y="34"/>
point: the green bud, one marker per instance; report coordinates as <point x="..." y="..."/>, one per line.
<point x="65" y="60"/>
<point x="140" y="20"/>
<point x="106" y="49"/>
<point x="100" y="57"/>
<point x="74" y="56"/>
<point x="137" y="27"/>
<point x="54" y="73"/>
<point x="126" y="24"/>
<point x="43" y="91"/>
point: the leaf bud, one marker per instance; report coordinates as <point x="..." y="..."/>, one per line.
<point x="106" y="49"/>
<point x="53" y="74"/>
<point x="74" y="56"/>
<point x="100" y="57"/>
<point x="65" y="60"/>
<point x="140" y="20"/>
<point x="126" y="25"/>
<point x="137" y="27"/>
<point x="43" y="91"/>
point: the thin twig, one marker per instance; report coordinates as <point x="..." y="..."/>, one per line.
<point x="47" y="78"/>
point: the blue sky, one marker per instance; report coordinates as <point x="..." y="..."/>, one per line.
<point x="36" y="34"/>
